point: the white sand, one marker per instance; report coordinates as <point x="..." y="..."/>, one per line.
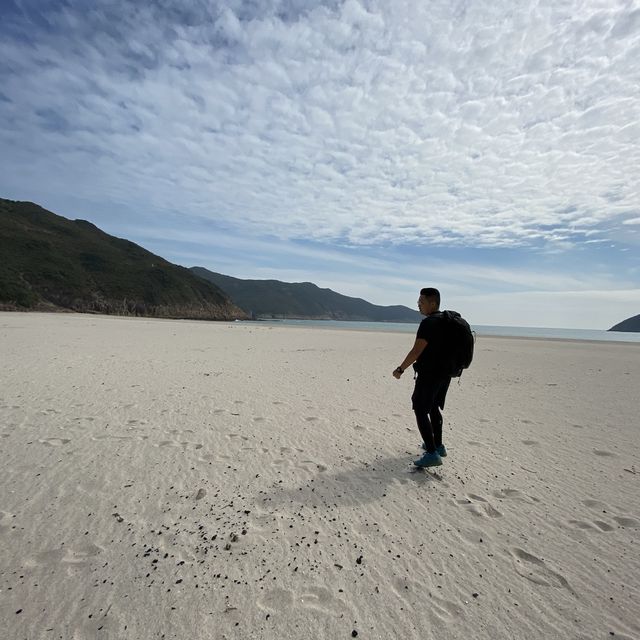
<point x="192" y="480"/>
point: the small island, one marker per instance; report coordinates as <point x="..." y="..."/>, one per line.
<point x="630" y="324"/>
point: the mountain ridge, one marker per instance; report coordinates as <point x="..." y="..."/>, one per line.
<point x="52" y="263"/>
<point x="302" y="300"/>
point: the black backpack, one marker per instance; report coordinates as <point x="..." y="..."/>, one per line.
<point x="459" y="342"/>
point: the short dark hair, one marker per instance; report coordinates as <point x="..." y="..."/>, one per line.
<point x="431" y="294"/>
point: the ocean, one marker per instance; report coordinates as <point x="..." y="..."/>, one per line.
<point x="481" y="330"/>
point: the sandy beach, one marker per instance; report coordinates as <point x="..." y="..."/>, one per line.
<point x="194" y="480"/>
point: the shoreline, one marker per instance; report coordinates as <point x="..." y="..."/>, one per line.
<point x="616" y="337"/>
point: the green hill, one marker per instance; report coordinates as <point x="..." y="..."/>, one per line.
<point x="304" y="300"/>
<point x="630" y="324"/>
<point x="52" y="263"/>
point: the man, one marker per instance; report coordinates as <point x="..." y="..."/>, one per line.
<point x="432" y="381"/>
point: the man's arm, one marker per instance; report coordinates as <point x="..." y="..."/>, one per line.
<point x="412" y="356"/>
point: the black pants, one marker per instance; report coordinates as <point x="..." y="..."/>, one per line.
<point x="428" y="398"/>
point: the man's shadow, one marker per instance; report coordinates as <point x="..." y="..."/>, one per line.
<point x="365" y="483"/>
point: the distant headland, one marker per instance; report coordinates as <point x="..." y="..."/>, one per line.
<point x="630" y="324"/>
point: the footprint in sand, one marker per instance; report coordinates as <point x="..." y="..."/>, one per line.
<point x="511" y="494"/>
<point x="483" y="508"/>
<point x="78" y="555"/>
<point x="275" y="600"/>
<point x="55" y="442"/>
<point x="631" y="523"/>
<point x="443" y="608"/>
<point x="595" y="504"/>
<point x="535" y="570"/>
<point x="280" y="600"/>
<point x="317" y="598"/>
<point x="183" y="445"/>
<point x="311" y="465"/>
<point x="237" y="435"/>
<point x="114" y="437"/>
<point x="411" y="590"/>
<point x="82" y="554"/>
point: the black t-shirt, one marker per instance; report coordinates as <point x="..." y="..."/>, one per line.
<point x="431" y="360"/>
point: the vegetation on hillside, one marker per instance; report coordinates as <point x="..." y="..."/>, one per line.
<point x="50" y="262"/>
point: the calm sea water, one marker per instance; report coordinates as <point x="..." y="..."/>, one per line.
<point x="481" y="330"/>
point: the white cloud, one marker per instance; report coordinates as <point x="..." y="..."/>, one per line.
<point x="370" y="122"/>
<point x="365" y="127"/>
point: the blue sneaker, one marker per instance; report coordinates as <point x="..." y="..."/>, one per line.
<point x="441" y="450"/>
<point x="429" y="460"/>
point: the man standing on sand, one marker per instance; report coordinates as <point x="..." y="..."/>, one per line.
<point x="432" y="381"/>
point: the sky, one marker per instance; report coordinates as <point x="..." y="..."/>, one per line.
<point x="487" y="148"/>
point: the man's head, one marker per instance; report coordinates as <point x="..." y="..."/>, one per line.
<point x="429" y="301"/>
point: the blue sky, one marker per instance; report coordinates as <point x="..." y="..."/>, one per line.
<point x="487" y="148"/>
